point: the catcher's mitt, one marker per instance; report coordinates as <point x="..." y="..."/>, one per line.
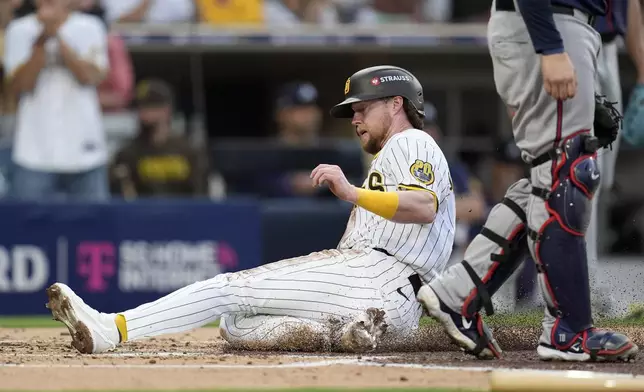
<point x="607" y="121"/>
<point x="633" y="130"/>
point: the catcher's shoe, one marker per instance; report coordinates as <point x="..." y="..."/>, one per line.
<point x="591" y="345"/>
<point x="469" y="333"/>
<point x="91" y="331"/>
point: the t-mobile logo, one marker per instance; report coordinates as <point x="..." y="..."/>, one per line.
<point x="96" y="263"/>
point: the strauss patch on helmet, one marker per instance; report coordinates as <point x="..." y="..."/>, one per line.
<point x="394" y="78"/>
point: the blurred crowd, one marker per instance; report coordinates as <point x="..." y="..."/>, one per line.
<point x="62" y="59"/>
<point x="78" y="86"/>
<point x="283" y="12"/>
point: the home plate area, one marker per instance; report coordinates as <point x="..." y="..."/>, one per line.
<point x="42" y="359"/>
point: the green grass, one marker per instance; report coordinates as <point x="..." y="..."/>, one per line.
<point x="532" y="319"/>
<point x="38" y="322"/>
<point x="28" y="322"/>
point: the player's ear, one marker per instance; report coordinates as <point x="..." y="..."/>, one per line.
<point x="398" y="104"/>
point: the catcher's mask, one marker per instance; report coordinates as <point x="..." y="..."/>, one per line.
<point x="380" y="82"/>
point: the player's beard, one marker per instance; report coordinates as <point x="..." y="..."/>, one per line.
<point x="372" y="146"/>
<point x="374" y="143"/>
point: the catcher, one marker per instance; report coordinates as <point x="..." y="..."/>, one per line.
<point x="550" y="89"/>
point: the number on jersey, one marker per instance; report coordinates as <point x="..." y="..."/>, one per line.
<point x="375" y="182"/>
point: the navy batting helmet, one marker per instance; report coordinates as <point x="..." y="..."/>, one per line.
<point x="380" y="82"/>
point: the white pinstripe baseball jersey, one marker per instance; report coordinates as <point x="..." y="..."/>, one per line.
<point x="267" y="304"/>
<point x="409" y="160"/>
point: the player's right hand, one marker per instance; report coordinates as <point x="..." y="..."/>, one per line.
<point x="333" y="176"/>
<point x="559" y="78"/>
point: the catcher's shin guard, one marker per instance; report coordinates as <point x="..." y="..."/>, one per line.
<point x="559" y="245"/>
<point x="560" y="253"/>
<point x="456" y="297"/>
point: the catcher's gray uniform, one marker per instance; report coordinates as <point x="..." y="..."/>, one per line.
<point x="547" y="214"/>
<point x="539" y="122"/>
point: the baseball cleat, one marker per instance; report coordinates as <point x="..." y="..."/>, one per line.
<point x="592" y="345"/>
<point x="469" y="333"/>
<point x="91" y="331"/>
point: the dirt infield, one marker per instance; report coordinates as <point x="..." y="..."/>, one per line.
<point x="42" y="359"/>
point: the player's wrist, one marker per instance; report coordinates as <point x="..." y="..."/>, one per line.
<point x="552" y="51"/>
<point x="353" y="195"/>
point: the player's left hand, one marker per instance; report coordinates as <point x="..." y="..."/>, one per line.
<point x="333" y="176"/>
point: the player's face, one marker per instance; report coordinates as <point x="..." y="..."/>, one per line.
<point x="372" y="120"/>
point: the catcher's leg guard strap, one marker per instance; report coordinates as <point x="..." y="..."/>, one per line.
<point x="508" y="245"/>
<point x="511" y="248"/>
<point x="483" y="295"/>
<point x="560" y="220"/>
<point x="500" y="266"/>
<point x="467" y="286"/>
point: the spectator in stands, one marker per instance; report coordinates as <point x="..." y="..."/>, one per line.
<point x="298" y="116"/>
<point x="358" y="12"/>
<point x="437" y="11"/>
<point x="299" y="122"/>
<point x="149" y="11"/>
<point x="410" y="11"/>
<point x="157" y="163"/>
<point x="293" y="12"/>
<point x="54" y="60"/>
<point x="7" y="100"/>
<point x="115" y="92"/>
<point x="231" y="12"/>
<point x="286" y="12"/>
<point x="470" y="201"/>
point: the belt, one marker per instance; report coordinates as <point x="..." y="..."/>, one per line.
<point x="508" y="5"/>
<point x="607" y="38"/>
<point x="590" y="146"/>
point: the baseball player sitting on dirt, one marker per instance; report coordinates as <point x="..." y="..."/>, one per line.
<point x="345" y="299"/>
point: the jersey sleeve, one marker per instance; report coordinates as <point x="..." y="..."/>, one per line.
<point x="17" y="48"/>
<point x="418" y="165"/>
<point x="94" y="46"/>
